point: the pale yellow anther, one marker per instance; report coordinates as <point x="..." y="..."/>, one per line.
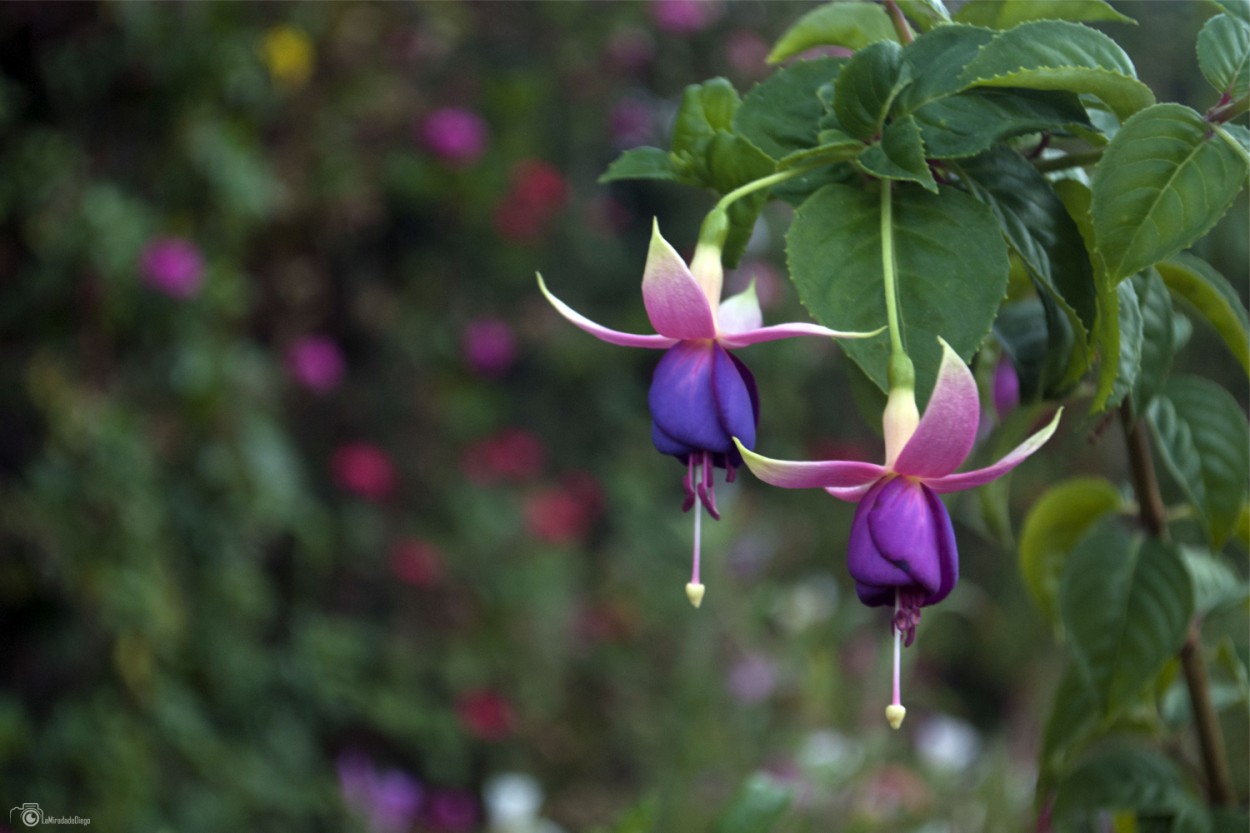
<point x="894" y="714"/>
<point x="694" y="592"/>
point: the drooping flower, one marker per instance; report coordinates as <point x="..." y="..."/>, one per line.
<point x="173" y="266"/>
<point x="902" y="547"/>
<point x="701" y="396"/>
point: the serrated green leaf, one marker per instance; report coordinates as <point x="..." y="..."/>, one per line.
<point x="1236" y="135"/>
<point x="1057" y="55"/>
<point x="967" y="123"/>
<point x="833" y="148"/>
<point x="1213" y="297"/>
<point x="1004" y="14"/>
<point x="1038" y="226"/>
<point x="937" y="60"/>
<point x="1204" y="441"/>
<point x="926" y="15"/>
<point x="705" y="109"/>
<point x="1123" y="778"/>
<point x="952" y="269"/>
<point x="1054" y="525"/>
<point x="1224" y="55"/>
<point x="1073" y="717"/>
<point x="1128" y="363"/>
<point x="1125" y="604"/>
<point x="1215" y="582"/>
<point x="1158" y="331"/>
<point x="780" y="115"/>
<point x="758" y="807"/>
<point x="852" y="25"/>
<point x="866" y="88"/>
<point x="1161" y="184"/>
<point x="899" y="155"/>
<point x="642" y="163"/>
<point x="1239" y="9"/>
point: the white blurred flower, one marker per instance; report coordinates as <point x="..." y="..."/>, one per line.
<point x="812" y="601"/>
<point x="830" y="754"/>
<point x="947" y="743"/>
<point x="512" y="801"/>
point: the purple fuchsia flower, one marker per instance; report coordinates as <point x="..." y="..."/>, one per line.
<point x="702" y="396"/>
<point x="455" y="135"/>
<point x="902" y="548"/>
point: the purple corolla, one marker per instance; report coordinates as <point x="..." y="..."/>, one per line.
<point x="701" y="396"/>
<point x="902" y="547"/>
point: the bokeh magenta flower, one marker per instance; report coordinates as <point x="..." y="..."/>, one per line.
<point x="389" y="800"/>
<point x="902" y="548"/>
<point x="1006" y="386"/>
<point x="536" y="194"/>
<point x="450" y="810"/>
<point x="417" y="562"/>
<point x="631" y="122"/>
<point x="511" y="455"/>
<point x="752" y="679"/>
<point x="316" y="363"/>
<point x="489" y="346"/>
<point x="684" y="17"/>
<point x="701" y="395"/>
<point x="364" y="470"/>
<point x="564" y="515"/>
<point x="485" y="714"/>
<point x="455" y="135"/>
<point x="173" y="266"/>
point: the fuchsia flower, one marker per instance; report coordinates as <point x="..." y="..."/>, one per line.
<point x="455" y="135"/>
<point x="364" y="469"/>
<point x="902" y="547"/>
<point x="489" y="346"/>
<point x="702" y="396"/>
<point x="315" y="362"/>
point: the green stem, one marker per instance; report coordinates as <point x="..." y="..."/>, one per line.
<point x="889" y="273"/>
<point x="900" y="23"/>
<point x="1230" y="111"/>
<point x="1154" y="519"/>
<point x="1233" y="143"/>
<point x="1071" y="160"/>
<point x="764" y="182"/>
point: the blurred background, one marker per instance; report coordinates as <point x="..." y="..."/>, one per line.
<point x="315" y="516"/>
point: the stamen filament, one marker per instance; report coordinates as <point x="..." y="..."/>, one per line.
<point x="695" y="589"/>
<point x="895" y="712"/>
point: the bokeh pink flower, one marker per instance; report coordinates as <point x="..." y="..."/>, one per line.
<point x="485" y="714"/>
<point x="364" y="470"/>
<point x="173" y="266"/>
<point x="489" y="346"/>
<point x="389" y="800"/>
<point x="316" y="363"/>
<point x="455" y="135"/>
<point x="416" y="562"/>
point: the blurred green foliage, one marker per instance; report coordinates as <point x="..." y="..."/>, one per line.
<point x="203" y="612"/>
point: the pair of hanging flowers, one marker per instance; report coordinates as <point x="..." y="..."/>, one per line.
<point x="705" y="410"/>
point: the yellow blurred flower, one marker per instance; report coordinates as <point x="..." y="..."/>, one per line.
<point x="289" y="54"/>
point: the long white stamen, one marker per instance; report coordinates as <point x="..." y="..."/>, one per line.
<point x="895" y="712"/>
<point x="695" y="590"/>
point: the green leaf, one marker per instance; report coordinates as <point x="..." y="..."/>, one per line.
<point x="1073" y="717"/>
<point x="1038" y="227"/>
<point x="1004" y="14"/>
<point x="732" y="162"/>
<point x="1215" y="582"/>
<point x="951" y="261"/>
<point x="1125" y="604"/>
<point x="1055" y="524"/>
<point x="1239" y="9"/>
<point x="866" y="88"/>
<point x="780" y="115"/>
<point x="970" y="122"/>
<point x="937" y="60"/>
<point x="852" y="25"/>
<point x="899" y="155"/>
<point x="1213" y="297"/>
<point x="925" y="14"/>
<point x="758" y="807"/>
<point x="1123" y="778"/>
<point x="1203" y="438"/>
<point x="1128" y="363"/>
<point x="642" y="163"/>
<point x="1224" y="55"/>
<point x="1158" y="331"/>
<point x="1057" y="55"/>
<point x="1161" y="184"/>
